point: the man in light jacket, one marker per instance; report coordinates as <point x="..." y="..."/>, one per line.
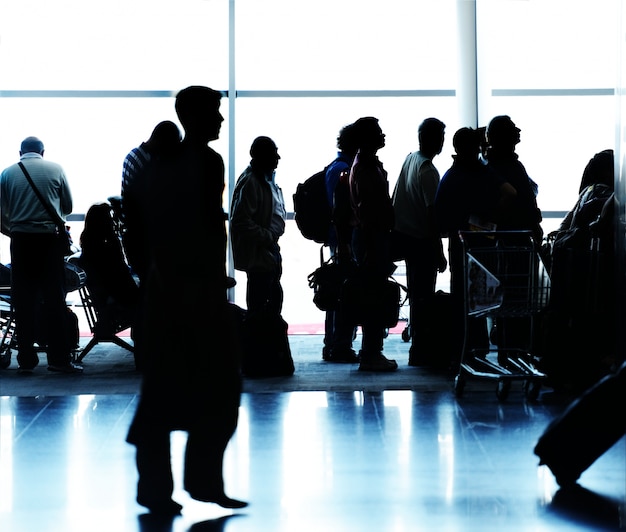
<point x="257" y="221"/>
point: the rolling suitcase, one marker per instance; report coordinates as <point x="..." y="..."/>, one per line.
<point x="437" y="336"/>
<point x="587" y="428"/>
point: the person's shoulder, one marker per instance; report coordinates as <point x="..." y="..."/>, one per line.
<point x="214" y="154"/>
<point x="51" y="166"/>
<point x="338" y="165"/>
<point x="9" y="169"/>
<point x="245" y="176"/>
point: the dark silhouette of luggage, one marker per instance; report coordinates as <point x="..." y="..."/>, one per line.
<point x="587" y="428"/>
<point x="440" y="338"/>
<point x="266" y="350"/>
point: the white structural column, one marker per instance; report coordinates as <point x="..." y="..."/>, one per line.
<point x="467" y="85"/>
<point x="620" y="176"/>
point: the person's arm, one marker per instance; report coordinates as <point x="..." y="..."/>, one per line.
<point x="65" y="196"/>
<point x="244" y="212"/>
<point x="429" y="181"/>
<point x="4" y="208"/>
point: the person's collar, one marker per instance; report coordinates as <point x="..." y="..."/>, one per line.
<point x="31" y="155"/>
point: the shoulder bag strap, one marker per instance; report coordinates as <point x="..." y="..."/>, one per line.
<point x="53" y="214"/>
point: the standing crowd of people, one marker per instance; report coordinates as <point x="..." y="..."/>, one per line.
<point x="373" y="226"/>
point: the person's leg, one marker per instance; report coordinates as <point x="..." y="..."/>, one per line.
<point x="204" y="457"/>
<point x="421" y="279"/>
<point x="24" y="297"/>
<point x="371" y="354"/>
<point x="151" y="438"/>
<point x="329" y="334"/>
<point x="343" y="334"/>
<point x="56" y="321"/>
<point x="258" y="290"/>
<point x="155" y="482"/>
<point x="276" y="296"/>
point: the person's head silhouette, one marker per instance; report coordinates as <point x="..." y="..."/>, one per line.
<point x="369" y="136"/>
<point x="502" y="133"/>
<point x="198" y="109"/>
<point x="347" y="141"/>
<point x="264" y="154"/>
<point x="430" y="135"/>
<point x="164" y="137"/>
<point x="466" y="142"/>
<point x="600" y="170"/>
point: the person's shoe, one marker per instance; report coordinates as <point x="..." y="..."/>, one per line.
<point x="563" y="477"/>
<point x="165" y="507"/>
<point x="418" y="361"/>
<point x="5" y="360"/>
<point x="344" y="355"/>
<point x="326" y="353"/>
<point x="378" y="362"/>
<point x="68" y="368"/>
<point x="27" y="360"/>
<point x="25" y="370"/>
<point x="222" y="500"/>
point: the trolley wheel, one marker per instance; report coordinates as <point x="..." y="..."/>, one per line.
<point x="531" y="389"/>
<point x="459" y="385"/>
<point x="5" y="359"/>
<point x="502" y="389"/>
<point x="406" y="334"/>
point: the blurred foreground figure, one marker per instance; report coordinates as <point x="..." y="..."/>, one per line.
<point x="191" y="370"/>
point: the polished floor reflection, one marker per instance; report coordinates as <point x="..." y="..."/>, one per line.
<point x="390" y="461"/>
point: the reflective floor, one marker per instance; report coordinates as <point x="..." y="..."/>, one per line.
<point x="390" y="461"/>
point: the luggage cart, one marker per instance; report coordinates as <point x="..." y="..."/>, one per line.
<point x="7" y="327"/>
<point x="74" y="279"/>
<point x="504" y="278"/>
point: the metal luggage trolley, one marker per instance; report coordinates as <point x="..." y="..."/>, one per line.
<point x="74" y="280"/>
<point x="504" y="278"/>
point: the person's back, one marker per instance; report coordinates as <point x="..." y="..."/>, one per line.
<point x="338" y="332"/>
<point x="22" y="212"/>
<point x="468" y="189"/>
<point x="136" y="169"/>
<point x="109" y="279"/>
<point x="418" y="238"/>
<point x="522" y="213"/>
<point x="596" y="186"/>
<point x="37" y="255"/>
<point x="372" y="216"/>
<point x="410" y="203"/>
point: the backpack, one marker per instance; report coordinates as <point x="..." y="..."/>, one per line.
<point x="312" y="212"/>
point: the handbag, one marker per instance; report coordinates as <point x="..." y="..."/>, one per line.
<point x="327" y="280"/>
<point x="65" y="240"/>
<point x="366" y="299"/>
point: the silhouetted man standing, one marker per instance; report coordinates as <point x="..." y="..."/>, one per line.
<point x="413" y="203"/>
<point x="191" y="376"/>
<point x="37" y="270"/>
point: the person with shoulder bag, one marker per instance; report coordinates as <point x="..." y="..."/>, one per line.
<point x="35" y="199"/>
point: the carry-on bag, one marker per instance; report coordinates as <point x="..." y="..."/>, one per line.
<point x="266" y="350"/>
<point x="587" y="428"/>
<point x="437" y="335"/>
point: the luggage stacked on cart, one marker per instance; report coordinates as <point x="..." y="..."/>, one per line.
<point x="505" y="280"/>
<point x="577" y="337"/>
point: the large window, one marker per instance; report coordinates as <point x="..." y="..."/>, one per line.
<point x="93" y="81"/>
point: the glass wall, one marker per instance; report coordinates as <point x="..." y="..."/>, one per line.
<point x="92" y="81"/>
